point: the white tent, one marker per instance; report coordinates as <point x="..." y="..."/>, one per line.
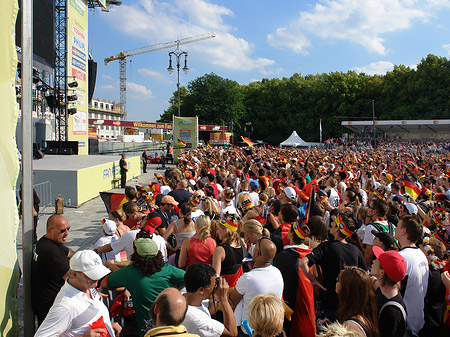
<point x="294" y="141"/>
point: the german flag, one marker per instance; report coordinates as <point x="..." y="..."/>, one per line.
<point x="248" y="141"/>
<point x="209" y="145"/>
<point x="410" y="188"/>
<point x="180" y="142"/>
<point x="112" y="200"/>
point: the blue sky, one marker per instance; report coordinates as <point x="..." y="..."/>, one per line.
<point x="258" y="39"/>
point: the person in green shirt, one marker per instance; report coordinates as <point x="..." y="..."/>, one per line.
<point x="145" y="278"/>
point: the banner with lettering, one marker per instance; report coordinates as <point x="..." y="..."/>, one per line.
<point x="186" y="130"/>
<point x="77" y="70"/>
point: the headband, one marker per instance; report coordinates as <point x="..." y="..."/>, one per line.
<point x="435" y="218"/>
<point x="298" y="231"/>
<point x="342" y="227"/>
<point x="246" y="204"/>
<point x="228" y="224"/>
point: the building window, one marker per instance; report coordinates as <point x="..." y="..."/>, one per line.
<point x="95" y="104"/>
<point x="101" y="105"/>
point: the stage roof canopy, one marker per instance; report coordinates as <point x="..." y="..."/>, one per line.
<point x="438" y="126"/>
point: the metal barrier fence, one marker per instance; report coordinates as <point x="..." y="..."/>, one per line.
<point x="43" y="191"/>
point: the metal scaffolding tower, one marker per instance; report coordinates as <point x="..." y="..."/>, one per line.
<point x="60" y="70"/>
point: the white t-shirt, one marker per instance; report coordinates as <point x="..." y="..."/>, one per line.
<point x="416" y="287"/>
<point x="333" y="198"/>
<point x="255" y="198"/>
<point x="258" y="281"/>
<point x="228" y="209"/>
<point x="198" y="321"/>
<point x="104" y="240"/>
<point x="125" y="243"/>
<point x="73" y="312"/>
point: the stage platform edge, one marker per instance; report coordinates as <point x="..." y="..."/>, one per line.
<point x="80" y="178"/>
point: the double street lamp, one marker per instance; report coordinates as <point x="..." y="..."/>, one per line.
<point x="178" y="54"/>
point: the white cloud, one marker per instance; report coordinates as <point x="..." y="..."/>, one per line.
<point x="107" y="77"/>
<point x="108" y="87"/>
<point x="376" y="68"/>
<point x="139" y="91"/>
<point x="356" y="21"/>
<point x="154" y="74"/>
<point x="158" y="22"/>
<point x="447" y="48"/>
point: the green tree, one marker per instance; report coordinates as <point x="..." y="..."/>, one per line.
<point x="166" y="117"/>
<point x="214" y="100"/>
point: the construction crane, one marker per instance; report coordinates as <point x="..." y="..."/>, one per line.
<point x="122" y="57"/>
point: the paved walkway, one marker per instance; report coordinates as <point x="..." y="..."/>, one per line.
<point x="84" y="223"/>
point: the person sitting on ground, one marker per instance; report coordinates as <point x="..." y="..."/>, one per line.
<point x="145" y="278"/>
<point x="182" y="229"/>
<point x="228" y="256"/>
<point x="210" y="208"/>
<point x="109" y="235"/>
<point x="119" y="216"/>
<point x="78" y="309"/>
<point x="200" y="247"/>
<point x="167" y="313"/>
<point x="201" y="284"/>
<point x="131" y="196"/>
<point x="265" y="315"/>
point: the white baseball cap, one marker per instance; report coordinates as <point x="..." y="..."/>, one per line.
<point x="89" y="263"/>
<point x="109" y="227"/>
<point x="411" y="208"/>
<point x="290" y="193"/>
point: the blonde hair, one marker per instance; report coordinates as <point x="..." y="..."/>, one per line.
<point x="204" y="227"/>
<point x="212" y="207"/>
<point x="255" y="227"/>
<point x="270" y="191"/>
<point x="336" y="329"/>
<point x="266" y="315"/>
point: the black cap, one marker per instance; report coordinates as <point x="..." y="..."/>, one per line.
<point x="386" y="238"/>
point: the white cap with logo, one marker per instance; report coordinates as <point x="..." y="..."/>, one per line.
<point x="89" y="263"/>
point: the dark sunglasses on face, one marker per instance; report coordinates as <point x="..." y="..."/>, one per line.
<point x="62" y="230"/>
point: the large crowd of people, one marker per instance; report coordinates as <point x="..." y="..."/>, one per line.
<point x="262" y="241"/>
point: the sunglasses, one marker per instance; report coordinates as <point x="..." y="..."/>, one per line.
<point x="62" y="230"/>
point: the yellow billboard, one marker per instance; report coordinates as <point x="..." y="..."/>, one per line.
<point x="77" y="70"/>
<point x="186" y="130"/>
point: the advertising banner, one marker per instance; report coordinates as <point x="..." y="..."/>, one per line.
<point x="185" y="129"/>
<point x="77" y="70"/>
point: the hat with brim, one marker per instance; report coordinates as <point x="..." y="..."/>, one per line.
<point x="386" y="238"/>
<point x="168" y="199"/>
<point x="89" y="263"/>
<point x="392" y="262"/>
<point x="146" y="247"/>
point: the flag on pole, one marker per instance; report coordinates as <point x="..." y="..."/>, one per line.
<point x="248" y="141"/>
<point x="209" y="145"/>
<point x="320" y="128"/>
<point x="180" y="142"/>
<point x="411" y="188"/>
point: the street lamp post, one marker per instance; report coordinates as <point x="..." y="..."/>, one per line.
<point x="373" y="125"/>
<point x="178" y="53"/>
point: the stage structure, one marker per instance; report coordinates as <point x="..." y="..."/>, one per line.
<point x="71" y="68"/>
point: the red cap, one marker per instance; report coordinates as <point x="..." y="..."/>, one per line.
<point x="153" y="221"/>
<point x="392" y="262"/>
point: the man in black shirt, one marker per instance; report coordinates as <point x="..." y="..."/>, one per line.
<point x="144" y="161"/>
<point x="123" y="171"/>
<point x="50" y="266"/>
<point x="332" y="256"/>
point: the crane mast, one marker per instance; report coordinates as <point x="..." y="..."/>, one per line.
<point x="122" y="57"/>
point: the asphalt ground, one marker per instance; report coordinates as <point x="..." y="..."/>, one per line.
<point x="84" y="222"/>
